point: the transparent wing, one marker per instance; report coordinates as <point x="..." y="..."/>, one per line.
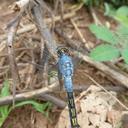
<point x="36" y="66"/>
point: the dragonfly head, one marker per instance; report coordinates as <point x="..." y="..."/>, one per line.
<point x="62" y="50"/>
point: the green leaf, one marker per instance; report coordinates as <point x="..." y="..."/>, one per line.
<point x="5" y="89"/>
<point x="104" y="52"/>
<point x="103" y="33"/>
<point x="38" y="106"/>
<point x="3" y="118"/>
<point x="122" y="15"/>
<point x="124" y="54"/>
<point x="122" y="11"/>
<point x="85" y="1"/>
<point x="4" y="110"/>
<point x="1" y="121"/>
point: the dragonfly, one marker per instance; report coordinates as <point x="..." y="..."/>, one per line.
<point x="65" y="68"/>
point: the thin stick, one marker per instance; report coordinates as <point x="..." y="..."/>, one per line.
<point x="56" y="4"/>
<point x="96" y="20"/>
<point x="78" y="31"/>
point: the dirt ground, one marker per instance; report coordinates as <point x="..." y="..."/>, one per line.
<point x="26" y="116"/>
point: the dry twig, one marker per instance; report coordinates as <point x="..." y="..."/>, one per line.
<point x="122" y="79"/>
<point x="78" y="31"/>
<point x="28" y="95"/>
<point x="11" y="28"/>
<point x="43" y="91"/>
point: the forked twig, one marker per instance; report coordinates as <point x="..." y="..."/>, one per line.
<point x="37" y="12"/>
<point x="28" y="95"/>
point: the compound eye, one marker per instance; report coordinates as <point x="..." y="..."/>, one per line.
<point x="65" y="50"/>
<point x="61" y="50"/>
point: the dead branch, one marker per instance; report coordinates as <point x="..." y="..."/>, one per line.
<point x="52" y="88"/>
<point x="58" y="102"/>
<point x="122" y="79"/>
<point x="28" y="95"/>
